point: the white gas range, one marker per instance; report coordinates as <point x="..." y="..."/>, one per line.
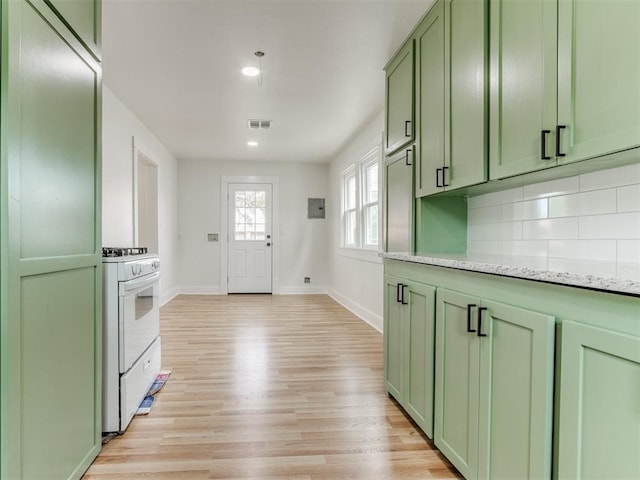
<point x="131" y="328"/>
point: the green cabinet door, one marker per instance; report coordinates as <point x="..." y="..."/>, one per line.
<point x="599" y="420"/>
<point x="466" y="42"/>
<point x="523" y="66"/>
<point x="394" y="328"/>
<point x="598" y="77"/>
<point x="400" y="126"/>
<point x="494" y="387"/>
<point x="430" y="57"/>
<point x="456" y="383"/>
<point x="50" y="324"/>
<point x="84" y="18"/>
<point x="420" y="354"/>
<point x="409" y="347"/>
<point x="399" y="201"/>
<point x="516" y="392"/>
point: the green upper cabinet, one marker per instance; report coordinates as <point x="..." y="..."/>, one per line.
<point x="83" y="16"/>
<point x="466" y="42"/>
<point x="599" y="421"/>
<point x="494" y="387"/>
<point x="399" y="201"/>
<point x="598" y="77"/>
<point x="523" y="86"/>
<point x="409" y="347"/>
<point x="400" y="126"/>
<point x="564" y="82"/>
<point x="430" y="66"/>
<point x="451" y="56"/>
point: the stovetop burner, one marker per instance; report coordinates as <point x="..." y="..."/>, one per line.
<point x="123" y="251"/>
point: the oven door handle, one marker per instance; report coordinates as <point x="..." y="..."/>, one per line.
<point x="139" y="283"/>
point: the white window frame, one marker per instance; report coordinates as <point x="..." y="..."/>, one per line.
<point x="358" y="171"/>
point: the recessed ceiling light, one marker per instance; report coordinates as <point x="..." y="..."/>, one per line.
<point x="252" y="143"/>
<point x="251" y="71"/>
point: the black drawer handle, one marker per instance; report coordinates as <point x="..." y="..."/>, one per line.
<point x="438" y="178"/>
<point x="403" y="299"/>
<point x="469" y="307"/>
<point x="558" y="152"/>
<point x="407" y="157"/>
<point x="398" y="287"/>
<point x="480" y="310"/>
<point x="444" y="182"/>
<point x="543" y="145"/>
<point x="407" y="125"/>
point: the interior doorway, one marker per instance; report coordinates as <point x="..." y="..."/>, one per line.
<point x="145" y="208"/>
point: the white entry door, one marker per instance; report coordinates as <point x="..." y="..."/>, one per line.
<point x="249" y="245"/>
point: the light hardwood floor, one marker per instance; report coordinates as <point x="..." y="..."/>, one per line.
<point x="270" y="387"/>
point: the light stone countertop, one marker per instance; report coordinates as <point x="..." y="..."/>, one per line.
<point x="594" y="275"/>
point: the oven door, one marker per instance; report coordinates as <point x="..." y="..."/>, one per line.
<point x="139" y="319"/>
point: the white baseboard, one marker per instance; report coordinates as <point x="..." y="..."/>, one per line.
<point x="365" y="314"/>
<point x="170" y="295"/>
<point x="320" y="290"/>
<point x="199" y="290"/>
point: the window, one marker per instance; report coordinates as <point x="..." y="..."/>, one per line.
<point x="360" y="199"/>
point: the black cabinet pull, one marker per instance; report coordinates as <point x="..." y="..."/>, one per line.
<point x="403" y="299"/>
<point x="444" y="182"/>
<point x="558" y="129"/>
<point x="438" y="177"/>
<point x="407" y="124"/>
<point x="407" y="157"/>
<point x="480" y="310"/>
<point x="543" y="145"/>
<point x="398" y="287"/>
<point x="469" y="307"/>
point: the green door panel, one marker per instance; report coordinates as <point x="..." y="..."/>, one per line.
<point x="420" y="339"/>
<point x="84" y="18"/>
<point x="399" y="201"/>
<point x="50" y="321"/>
<point x="599" y="421"/>
<point x="58" y="372"/>
<point x="466" y="87"/>
<point x="400" y="103"/>
<point x="430" y="81"/>
<point x="394" y="328"/>
<point x="456" y="384"/>
<point x="523" y="60"/>
<point x="516" y="393"/>
<point x="598" y="77"/>
<point x="57" y="148"/>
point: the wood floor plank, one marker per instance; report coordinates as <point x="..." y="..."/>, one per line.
<point x="270" y="387"/>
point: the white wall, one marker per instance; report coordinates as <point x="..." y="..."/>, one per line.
<point x="356" y="277"/>
<point x="302" y="242"/>
<point x="594" y="216"/>
<point x="119" y="128"/>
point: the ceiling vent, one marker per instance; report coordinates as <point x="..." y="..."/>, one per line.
<point x="260" y="124"/>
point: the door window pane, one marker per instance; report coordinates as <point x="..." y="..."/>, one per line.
<point x="250" y="215"/>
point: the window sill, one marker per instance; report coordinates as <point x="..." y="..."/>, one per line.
<point x="366" y="255"/>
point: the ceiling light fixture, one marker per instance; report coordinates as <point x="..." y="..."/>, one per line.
<point x="252" y="143"/>
<point x="251" y="71"/>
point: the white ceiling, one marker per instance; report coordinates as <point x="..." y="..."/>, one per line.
<point x="176" y="65"/>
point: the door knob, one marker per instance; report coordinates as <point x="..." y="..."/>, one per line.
<point x="268" y="236"/>
<point x="268" y="244"/>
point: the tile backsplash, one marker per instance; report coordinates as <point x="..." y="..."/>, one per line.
<point x="594" y="217"/>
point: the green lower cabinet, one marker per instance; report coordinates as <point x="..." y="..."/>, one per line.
<point x="409" y="348"/>
<point x="599" y="420"/>
<point x="494" y="387"/>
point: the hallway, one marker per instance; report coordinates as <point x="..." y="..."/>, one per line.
<point x="270" y="387"/>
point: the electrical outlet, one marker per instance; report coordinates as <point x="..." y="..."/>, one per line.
<point x="307" y="279"/>
<point x="212" y="237"/>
